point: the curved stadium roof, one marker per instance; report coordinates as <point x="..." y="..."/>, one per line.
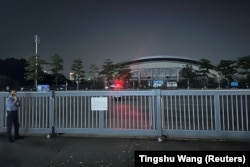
<point x="155" y="59"/>
<point x="161" y="58"/>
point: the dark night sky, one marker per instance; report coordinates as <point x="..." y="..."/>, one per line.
<point x="95" y="30"/>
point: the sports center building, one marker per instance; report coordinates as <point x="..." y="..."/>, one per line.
<point x="161" y="71"/>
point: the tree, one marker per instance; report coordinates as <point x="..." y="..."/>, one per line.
<point x="123" y="72"/>
<point x="78" y="71"/>
<point x="112" y="72"/>
<point x="227" y="69"/>
<point x="204" y="67"/>
<point x="243" y="63"/>
<point x="56" y="66"/>
<point x="6" y="81"/>
<point x="49" y="79"/>
<point x="188" y="74"/>
<point x="93" y="72"/>
<point x="34" y="69"/>
<point x="108" y="71"/>
<point x="14" y="69"/>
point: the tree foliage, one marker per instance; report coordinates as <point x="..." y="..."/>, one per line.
<point x="14" y="69"/>
<point x="108" y="71"/>
<point x="123" y="72"/>
<point x="6" y="81"/>
<point x="93" y="71"/>
<point x="34" y="69"/>
<point x="227" y="68"/>
<point x="243" y="64"/>
<point x="188" y="73"/>
<point x="56" y="66"/>
<point x="78" y="71"/>
<point x="203" y="72"/>
<point x="204" y="67"/>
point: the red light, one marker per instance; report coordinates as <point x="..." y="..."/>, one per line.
<point x="118" y="83"/>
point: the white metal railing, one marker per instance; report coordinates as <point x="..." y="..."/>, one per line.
<point x="182" y="113"/>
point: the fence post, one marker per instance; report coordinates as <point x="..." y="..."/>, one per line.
<point x="51" y="113"/>
<point x="217" y="112"/>
<point x="157" y="102"/>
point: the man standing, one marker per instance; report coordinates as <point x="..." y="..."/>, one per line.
<point x="12" y="106"/>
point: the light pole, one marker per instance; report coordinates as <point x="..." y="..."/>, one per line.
<point x="219" y="81"/>
<point x="66" y="85"/>
<point x="37" y="40"/>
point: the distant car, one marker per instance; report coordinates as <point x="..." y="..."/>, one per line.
<point x="116" y="88"/>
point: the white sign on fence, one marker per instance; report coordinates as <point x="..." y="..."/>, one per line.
<point x="99" y="103"/>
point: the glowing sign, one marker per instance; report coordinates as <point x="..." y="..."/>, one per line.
<point x="234" y="84"/>
<point x="157" y="83"/>
<point x="43" y="88"/>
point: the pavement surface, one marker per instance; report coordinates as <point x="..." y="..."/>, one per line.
<point x="75" y="151"/>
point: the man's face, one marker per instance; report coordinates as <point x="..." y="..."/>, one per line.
<point x="13" y="93"/>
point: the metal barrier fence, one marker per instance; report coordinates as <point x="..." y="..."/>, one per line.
<point x="129" y="113"/>
<point x="206" y="113"/>
<point x="35" y="112"/>
<point x="220" y="114"/>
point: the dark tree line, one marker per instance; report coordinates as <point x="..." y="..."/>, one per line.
<point x="17" y="73"/>
<point x="229" y="70"/>
<point x="12" y="72"/>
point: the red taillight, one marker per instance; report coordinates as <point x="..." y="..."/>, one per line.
<point x="119" y="83"/>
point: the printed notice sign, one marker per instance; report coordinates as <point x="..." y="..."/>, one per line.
<point x="99" y="103"/>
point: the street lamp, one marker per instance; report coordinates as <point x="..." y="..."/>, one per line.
<point x="37" y="41"/>
<point x="219" y="81"/>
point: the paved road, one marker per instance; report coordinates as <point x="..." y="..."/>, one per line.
<point x="62" y="151"/>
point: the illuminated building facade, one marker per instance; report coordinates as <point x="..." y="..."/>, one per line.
<point x="161" y="71"/>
